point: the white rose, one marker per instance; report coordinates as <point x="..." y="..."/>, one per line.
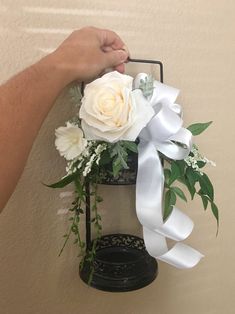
<point x="70" y="141"/>
<point x="112" y="111"/>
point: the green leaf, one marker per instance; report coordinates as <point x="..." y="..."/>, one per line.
<point x="198" y="128"/>
<point x="74" y="228"/>
<point x="63" y="182"/>
<point x="98" y="217"/>
<point x="167" y="207"/>
<point x="201" y="164"/>
<point x="179" y="192"/>
<point x="181" y="164"/>
<point x="191" y="188"/>
<point x="175" y="172"/>
<point x="105" y="158"/>
<point x="206" y="185"/>
<point x="191" y="176"/>
<point x="190" y="181"/>
<point x="204" y="201"/>
<point x="215" y="212"/>
<point x="170" y="200"/>
<point x="79" y="189"/>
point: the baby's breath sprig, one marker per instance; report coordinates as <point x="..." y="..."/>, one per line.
<point x="195" y="160"/>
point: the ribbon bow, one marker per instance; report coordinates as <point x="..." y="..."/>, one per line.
<point x="162" y="134"/>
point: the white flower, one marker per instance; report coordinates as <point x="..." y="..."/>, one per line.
<point x="112" y="111"/>
<point x="70" y="141"/>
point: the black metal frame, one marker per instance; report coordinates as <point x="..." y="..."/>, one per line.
<point x="153" y="269"/>
<point x="88" y="208"/>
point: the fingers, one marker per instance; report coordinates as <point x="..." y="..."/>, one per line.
<point x="114" y="58"/>
<point x="110" y="39"/>
<point x="120" y="68"/>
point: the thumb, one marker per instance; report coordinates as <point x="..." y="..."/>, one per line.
<point x="114" y="58"/>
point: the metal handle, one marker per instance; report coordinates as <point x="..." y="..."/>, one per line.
<point x="151" y="62"/>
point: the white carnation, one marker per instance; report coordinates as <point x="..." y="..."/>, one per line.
<point x="70" y="141"/>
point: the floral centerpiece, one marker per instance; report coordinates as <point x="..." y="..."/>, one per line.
<point x="120" y="118"/>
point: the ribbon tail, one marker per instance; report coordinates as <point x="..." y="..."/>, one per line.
<point x="180" y="255"/>
<point x="149" y="186"/>
<point x="149" y="191"/>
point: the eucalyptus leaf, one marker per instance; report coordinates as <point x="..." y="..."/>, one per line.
<point x="198" y="128"/>
<point x="132" y="146"/>
<point x="117" y="167"/>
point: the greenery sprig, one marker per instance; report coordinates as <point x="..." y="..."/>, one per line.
<point x="190" y="175"/>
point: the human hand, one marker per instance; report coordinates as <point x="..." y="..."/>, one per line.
<point x="87" y="52"/>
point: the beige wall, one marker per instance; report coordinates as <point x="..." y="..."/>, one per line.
<point x="195" y="40"/>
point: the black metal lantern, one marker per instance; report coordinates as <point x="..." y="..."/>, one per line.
<point x="121" y="261"/>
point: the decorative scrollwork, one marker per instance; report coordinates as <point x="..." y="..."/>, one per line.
<point x="121" y="240"/>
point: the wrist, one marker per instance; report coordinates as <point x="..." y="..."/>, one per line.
<point x="53" y="69"/>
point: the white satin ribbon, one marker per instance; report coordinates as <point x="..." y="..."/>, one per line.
<point x="162" y="134"/>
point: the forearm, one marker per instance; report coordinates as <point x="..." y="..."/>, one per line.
<point x="25" y="100"/>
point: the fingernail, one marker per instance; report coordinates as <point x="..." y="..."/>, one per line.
<point x="127" y="51"/>
<point x="123" y="55"/>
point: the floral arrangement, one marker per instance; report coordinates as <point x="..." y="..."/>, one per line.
<point x="121" y="119"/>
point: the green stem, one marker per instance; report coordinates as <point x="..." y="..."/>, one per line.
<point x="68" y="236"/>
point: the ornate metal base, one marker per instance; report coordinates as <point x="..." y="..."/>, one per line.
<point x="121" y="264"/>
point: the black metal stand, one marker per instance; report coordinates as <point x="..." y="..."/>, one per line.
<point x="121" y="262"/>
